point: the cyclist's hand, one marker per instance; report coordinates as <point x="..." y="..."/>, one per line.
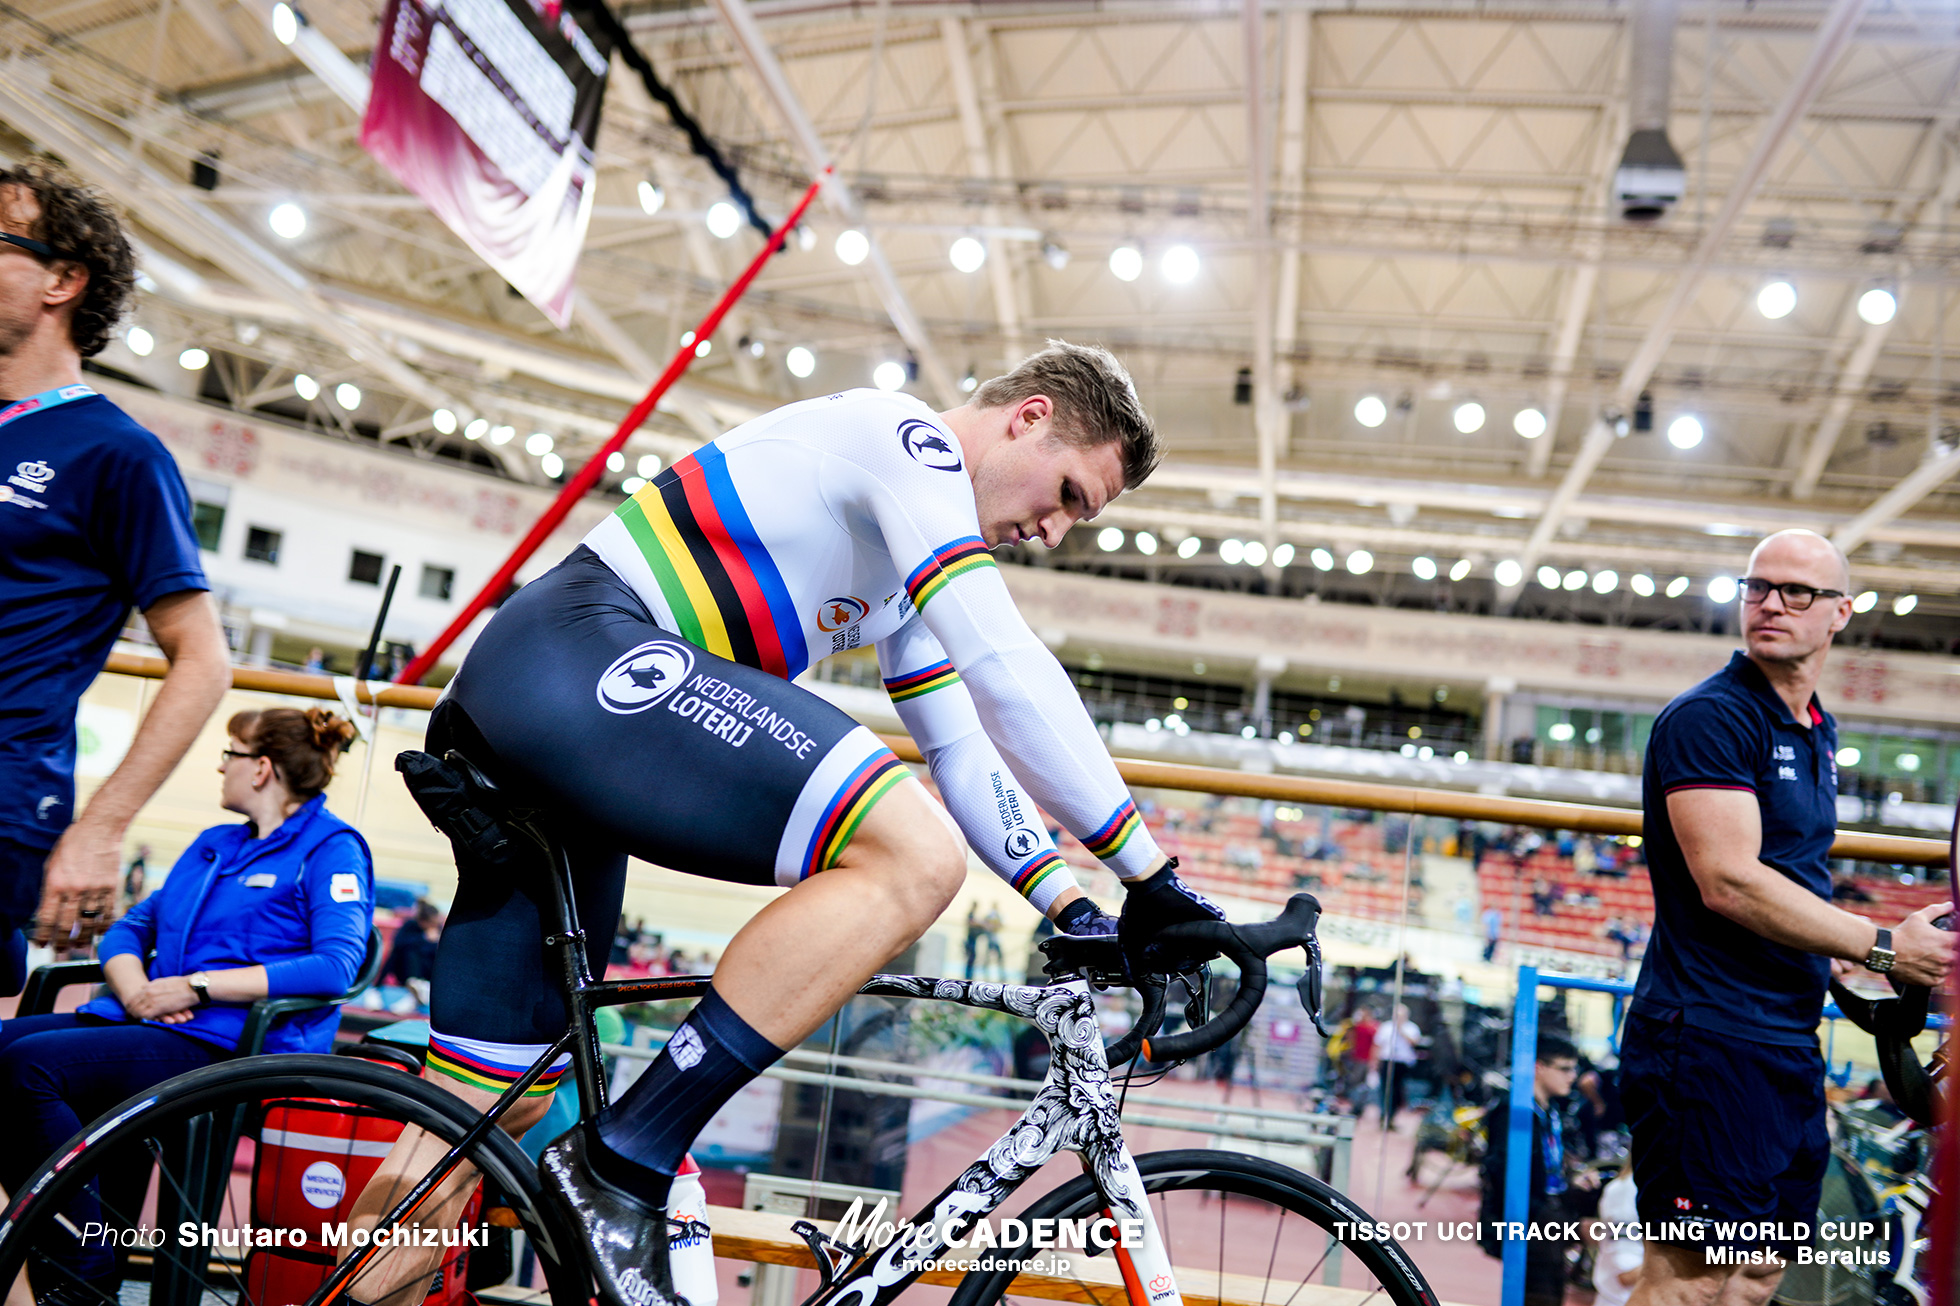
<point x="1085" y="919"/>
<point x="1148" y="906"/>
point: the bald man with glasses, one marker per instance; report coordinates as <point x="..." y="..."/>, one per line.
<point x="1721" y="1073"/>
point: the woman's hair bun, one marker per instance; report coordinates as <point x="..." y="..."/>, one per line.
<point x="331" y="733"/>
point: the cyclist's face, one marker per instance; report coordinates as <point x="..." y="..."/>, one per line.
<point x="1034" y="485"/>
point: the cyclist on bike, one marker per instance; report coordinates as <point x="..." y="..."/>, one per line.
<point x="640" y="693"/>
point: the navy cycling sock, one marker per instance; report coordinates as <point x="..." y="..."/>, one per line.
<point x="648" y="1130"/>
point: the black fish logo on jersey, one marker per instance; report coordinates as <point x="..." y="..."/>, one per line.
<point x="639" y="679"/>
<point x="927" y="444"/>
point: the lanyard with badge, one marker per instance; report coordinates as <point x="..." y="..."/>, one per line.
<point x="1554" y="1151"/>
<point x="41" y="402"/>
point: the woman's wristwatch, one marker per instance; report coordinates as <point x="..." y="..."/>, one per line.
<point x="201" y="985"/>
<point x="1882" y="955"/>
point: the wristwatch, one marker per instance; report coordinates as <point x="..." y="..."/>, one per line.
<point x="201" y="985"/>
<point x="1881" y="957"/>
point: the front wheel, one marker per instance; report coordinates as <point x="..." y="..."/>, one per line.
<point x="1239" y="1228"/>
<point x="204" y="1185"/>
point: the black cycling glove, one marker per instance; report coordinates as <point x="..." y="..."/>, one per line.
<point x="1148" y="906"/>
<point x="1084" y="919"/>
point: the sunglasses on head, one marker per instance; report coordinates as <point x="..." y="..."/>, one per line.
<point x="38" y="248"/>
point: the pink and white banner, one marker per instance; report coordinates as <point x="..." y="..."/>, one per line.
<point x="487" y="109"/>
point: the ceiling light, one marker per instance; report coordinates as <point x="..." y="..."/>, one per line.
<point x="1126" y="262"/>
<point x="969" y="383"/>
<point x="724" y="219"/>
<point x="1549" y="577"/>
<point x="1109" y="539"/>
<point x="552" y="465"/>
<point x="477" y="429"/>
<point x="1179" y="264"/>
<point x="648" y="466"/>
<point x="1678" y="586"/>
<point x="444" y="421"/>
<point x="347" y="395"/>
<point x="888" y="375"/>
<point x="1684" y="432"/>
<point x="1849" y="756"/>
<point x="1721" y="589"/>
<point x="538" y="445"/>
<point x="140" y="342"/>
<point x="502" y="434"/>
<point x="1575" y="579"/>
<point x="1370" y="411"/>
<point x="800" y="361"/>
<point x="306" y="387"/>
<point x="615" y="462"/>
<point x="687" y="338"/>
<point x="1559" y="732"/>
<point x="1865" y="602"/>
<point x="288" y="221"/>
<point x="1776" y="300"/>
<point x="1529" y="423"/>
<point x="806" y="237"/>
<point x="702" y="348"/>
<point x="757" y="349"/>
<point x="1878" y="306"/>
<point x="852" y="246"/>
<point x="651" y="197"/>
<point x="1606" y="582"/>
<point x="193" y="359"/>
<point x="1055" y="255"/>
<point x="1908" y="762"/>
<point x="1146" y="544"/>
<point x="1188" y="547"/>
<point x="1469" y="417"/>
<point x="1508" y="573"/>
<point x="1904" y="604"/>
<point x="1321" y="559"/>
<point x="967" y="254"/>
<point x="1459" y="569"/>
<point x="1255" y="553"/>
<point x="633" y="485"/>
<point x="1424" y="568"/>
<point x="1231" y="552"/>
<point x="1642" y="584"/>
<point x="285" y="24"/>
<point x="1360" y="562"/>
<point x="1283" y="555"/>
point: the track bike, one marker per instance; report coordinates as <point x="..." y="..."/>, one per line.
<point x="1208" y="1225"/>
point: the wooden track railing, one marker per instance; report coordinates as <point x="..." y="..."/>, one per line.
<point x="1582" y="817"/>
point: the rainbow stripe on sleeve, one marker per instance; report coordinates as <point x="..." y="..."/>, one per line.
<point x="1038" y="869"/>
<point x="877" y="776"/>
<point x="923" y="681"/>
<point x="1108" y="839"/>
<point x="947" y="562"/>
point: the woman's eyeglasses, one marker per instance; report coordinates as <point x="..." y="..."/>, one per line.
<point x="224" y="758"/>
<point x="1796" y="598"/>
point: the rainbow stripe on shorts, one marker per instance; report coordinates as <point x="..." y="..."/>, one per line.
<point x="493" y="1067"/>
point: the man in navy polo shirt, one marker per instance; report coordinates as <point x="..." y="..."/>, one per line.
<point x="1721" y="1073"/>
<point x="93" y="519"/>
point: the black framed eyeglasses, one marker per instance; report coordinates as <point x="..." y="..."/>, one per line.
<point x="1796" y="598"/>
<point x="38" y="248"/>
<point x="225" y="757"/>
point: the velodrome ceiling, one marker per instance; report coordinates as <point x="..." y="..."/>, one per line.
<point x="1424" y="220"/>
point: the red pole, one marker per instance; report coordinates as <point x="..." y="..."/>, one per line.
<point x="588" y="475"/>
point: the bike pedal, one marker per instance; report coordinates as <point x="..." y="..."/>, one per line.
<point x="832" y="1255"/>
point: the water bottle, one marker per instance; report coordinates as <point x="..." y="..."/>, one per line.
<point x="690" y="1249"/>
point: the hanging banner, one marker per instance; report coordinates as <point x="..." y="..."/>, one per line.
<point x="487" y="110"/>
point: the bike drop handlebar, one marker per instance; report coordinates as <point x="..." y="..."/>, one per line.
<point x="1247" y="947"/>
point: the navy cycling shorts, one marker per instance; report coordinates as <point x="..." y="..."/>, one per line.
<point x="1724" y="1130"/>
<point x="634" y="742"/>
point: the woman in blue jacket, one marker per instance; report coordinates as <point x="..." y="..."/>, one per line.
<point x="280" y="906"/>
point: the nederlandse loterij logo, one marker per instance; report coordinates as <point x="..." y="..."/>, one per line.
<point x="1022" y="843"/>
<point x="639" y="679"/>
<point x="928" y="444"/>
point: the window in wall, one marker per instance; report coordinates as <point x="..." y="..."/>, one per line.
<point x="437" y="581"/>
<point x="365" y="568"/>
<point x="262" y="545"/>
<point x="208" y="520"/>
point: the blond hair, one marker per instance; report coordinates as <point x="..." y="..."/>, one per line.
<point x="1095" y="402"/>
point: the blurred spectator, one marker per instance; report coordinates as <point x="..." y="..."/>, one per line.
<point x="279" y="906"/>
<point x="136" y="877"/>
<point x="1395" y="1054"/>
<point x="316" y="659"/>
<point x="1549" y="1183"/>
<point x="1493" y="931"/>
<point x="1542" y="897"/>
<point x="412" y="956"/>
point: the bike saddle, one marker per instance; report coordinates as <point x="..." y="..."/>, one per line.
<point x="462" y="802"/>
